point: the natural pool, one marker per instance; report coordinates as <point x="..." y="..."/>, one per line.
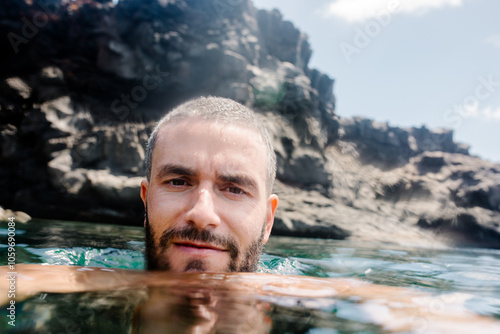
<point x="468" y="276"/>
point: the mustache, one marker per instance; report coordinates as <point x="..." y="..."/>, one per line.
<point x="190" y="233"/>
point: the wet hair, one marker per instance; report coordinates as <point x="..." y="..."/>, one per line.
<point x="217" y="109"/>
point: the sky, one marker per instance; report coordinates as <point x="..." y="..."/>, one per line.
<point x="409" y="62"/>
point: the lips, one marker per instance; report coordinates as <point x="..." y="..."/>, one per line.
<point x="198" y="246"/>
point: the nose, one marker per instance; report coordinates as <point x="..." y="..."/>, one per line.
<point x="203" y="212"/>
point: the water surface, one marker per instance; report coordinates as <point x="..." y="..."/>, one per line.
<point x="474" y="273"/>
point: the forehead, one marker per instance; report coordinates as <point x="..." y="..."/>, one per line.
<point x="216" y="145"/>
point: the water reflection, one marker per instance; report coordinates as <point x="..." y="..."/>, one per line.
<point x="41" y="233"/>
<point x="200" y="310"/>
<point x="167" y="304"/>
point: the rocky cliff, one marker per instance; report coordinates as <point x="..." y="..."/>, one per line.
<point x="82" y="83"/>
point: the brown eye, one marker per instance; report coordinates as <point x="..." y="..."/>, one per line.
<point x="177" y="182"/>
<point x="235" y="190"/>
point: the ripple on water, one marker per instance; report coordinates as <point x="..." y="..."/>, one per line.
<point x="4" y="231"/>
<point x="420" y="267"/>
<point x="92" y="257"/>
<point x="476" y="279"/>
<point x="269" y="264"/>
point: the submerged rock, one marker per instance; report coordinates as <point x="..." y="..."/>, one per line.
<point x="19" y="216"/>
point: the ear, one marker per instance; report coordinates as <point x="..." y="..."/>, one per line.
<point x="272" y="204"/>
<point x="144" y="193"/>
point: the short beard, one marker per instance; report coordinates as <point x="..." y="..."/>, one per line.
<point x="154" y="262"/>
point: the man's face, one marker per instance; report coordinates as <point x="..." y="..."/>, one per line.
<point x="207" y="206"/>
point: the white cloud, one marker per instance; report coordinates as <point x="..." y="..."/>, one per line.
<point x="490" y="113"/>
<point x="362" y="10"/>
<point x="493" y="40"/>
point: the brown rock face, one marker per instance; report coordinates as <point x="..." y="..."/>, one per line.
<point x="82" y="83"/>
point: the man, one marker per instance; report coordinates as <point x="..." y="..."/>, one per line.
<point x="209" y="207"/>
<point x="210" y="170"/>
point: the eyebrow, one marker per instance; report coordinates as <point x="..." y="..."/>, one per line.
<point x="169" y="169"/>
<point x="242" y="180"/>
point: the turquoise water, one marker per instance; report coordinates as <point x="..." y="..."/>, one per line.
<point x="439" y="272"/>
